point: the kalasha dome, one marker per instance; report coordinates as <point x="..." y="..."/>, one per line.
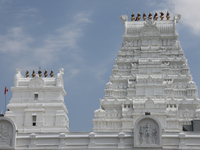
<point x="151" y="101"/>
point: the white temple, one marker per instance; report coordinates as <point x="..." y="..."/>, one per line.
<point x="150" y="102"/>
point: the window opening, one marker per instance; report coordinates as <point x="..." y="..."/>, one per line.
<point x="35" y="96"/>
<point x="34" y="120"/>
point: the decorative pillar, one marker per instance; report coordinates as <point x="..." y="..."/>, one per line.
<point x="32" y="137"/>
<point x="181" y="140"/>
<point x="121" y="140"/>
<point x="62" y="140"/>
<point x="92" y="140"/>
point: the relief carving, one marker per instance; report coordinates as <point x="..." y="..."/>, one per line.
<point x="148" y="134"/>
<point x="5" y="136"/>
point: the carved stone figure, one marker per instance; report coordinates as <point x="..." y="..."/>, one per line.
<point x="59" y="77"/>
<point x="123" y="18"/>
<point x="148" y="134"/>
<point x="141" y="136"/>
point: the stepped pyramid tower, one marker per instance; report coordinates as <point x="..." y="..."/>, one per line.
<point x="150" y="76"/>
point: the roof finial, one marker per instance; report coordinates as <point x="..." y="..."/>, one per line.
<point x="144" y="16"/>
<point x="132" y="17"/>
<point x="45" y="73"/>
<point x="138" y="17"/>
<point x="51" y="74"/>
<point x="155" y="16"/>
<point x="33" y="74"/>
<point x="150" y="16"/>
<point x="40" y="72"/>
<point x="167" y="16"/>
<point x="161" y="15"/>
<point x="27" y="73"/>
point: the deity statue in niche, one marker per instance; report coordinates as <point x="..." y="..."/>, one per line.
<point x="148" y="134"/>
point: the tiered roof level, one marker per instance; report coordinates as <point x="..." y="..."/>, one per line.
<point x="37" y="104"/>
<point x="151" y="76"/>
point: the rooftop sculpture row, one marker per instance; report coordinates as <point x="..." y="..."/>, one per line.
<point x="155" y="17"/>
<point x="40" y="73"/>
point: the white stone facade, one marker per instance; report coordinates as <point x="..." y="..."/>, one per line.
<point x="149" y="97"/>
<point x="150" y="74"/>
<point x="38" y="101"/>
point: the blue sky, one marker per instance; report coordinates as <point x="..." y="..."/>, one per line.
<point x="83" y="37"/>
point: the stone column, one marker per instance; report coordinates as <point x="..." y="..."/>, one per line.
<point x="62" y="140"/>
<point x="32" y="138"/>
<point x="121" y="140"/>
<point x="92" y="140"/>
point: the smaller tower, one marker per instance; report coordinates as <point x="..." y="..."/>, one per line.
<point x="37" y="104"/>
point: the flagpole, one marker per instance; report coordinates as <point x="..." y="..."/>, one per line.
<point x="5" y="105"/>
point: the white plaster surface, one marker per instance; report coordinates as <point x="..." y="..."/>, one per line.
<point x="150" y="74"/>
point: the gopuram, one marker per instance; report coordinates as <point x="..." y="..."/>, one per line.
<point x="151" y="101"/>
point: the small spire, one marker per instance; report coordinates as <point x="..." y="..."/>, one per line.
<point x="51" y="74"/>
<point x="150" y="16"/>
<point x="40" y="72"/>
<point x="27" y="73"/>
<point x="144" y="16"/>
<point x="167" y="16"/>
<point x="45" y="73"/>
<point x="133" y="17"/>
<point x="161" y="15"/>
<point x="33" y="74"/>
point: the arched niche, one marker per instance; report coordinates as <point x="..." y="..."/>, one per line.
<point x="7" y="133"/>
<point x="147" y="132"/>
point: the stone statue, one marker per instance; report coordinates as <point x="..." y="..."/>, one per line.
<point x="148" y="135"/>
<point x="123" y="18"/>
<point x="59" y="77"/>
<point x="141" y="136"/>
<point x="154" y="136"/>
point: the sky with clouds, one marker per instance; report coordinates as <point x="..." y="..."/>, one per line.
<point x="83" y="37"/>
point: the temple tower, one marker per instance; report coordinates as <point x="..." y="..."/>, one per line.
<point x="37" y="104"/>
<point x="150" y="77"/>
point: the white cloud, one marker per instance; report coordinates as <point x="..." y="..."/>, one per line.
<point x="61" y="41"/>
<point x="189" y="12"/>
<point x="15" y="41"/>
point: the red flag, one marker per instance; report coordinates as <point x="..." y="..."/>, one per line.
<point x="6" y="90"/>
